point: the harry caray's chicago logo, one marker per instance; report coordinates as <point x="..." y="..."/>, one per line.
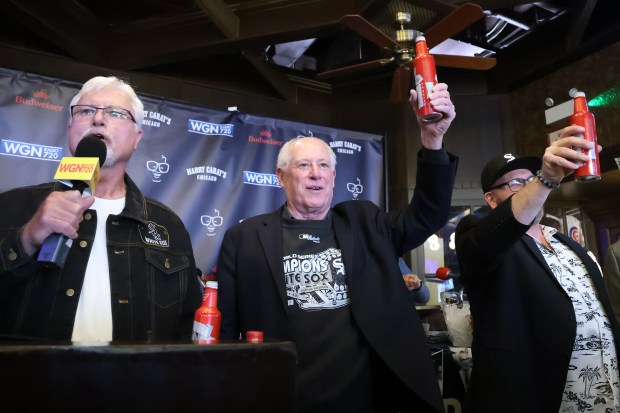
<point x="260" y="179"/>
<point x="155" y="234"/>
<point x="206" y="173"/>
<point x="207" y="128"/>
<point x="346" y="147"/>
<point x="155" y="119"/>
<point x="158" y="168"/>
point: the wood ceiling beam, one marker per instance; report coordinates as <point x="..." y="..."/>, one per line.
<point x="194" y="37"/>
<point x="581" y="19"/>
<point x="223" y="17"/>
<point x="492" y="4"/>
<point x="82" y="35"/>
<point x="217" y="28"/>
<point x="275" y="77"/>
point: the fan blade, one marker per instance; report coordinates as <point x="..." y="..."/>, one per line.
<point x="354" y="68"/>
<point x="453" y="23"/>
<point x="401" y="83"/>
<point x="367" y="30"/>
<point x="464" y="62"/>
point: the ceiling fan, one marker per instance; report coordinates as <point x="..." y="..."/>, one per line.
<point x="400" y="49"/>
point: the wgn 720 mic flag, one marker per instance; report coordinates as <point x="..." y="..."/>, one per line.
<point x="81" y="173"/>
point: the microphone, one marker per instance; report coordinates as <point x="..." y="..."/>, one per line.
<point x="81" y="173"/>
<point x="445" y="273"/>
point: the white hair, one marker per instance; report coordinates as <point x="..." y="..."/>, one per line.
<point x="100" y="82"/>
<point x="284" y="156"/>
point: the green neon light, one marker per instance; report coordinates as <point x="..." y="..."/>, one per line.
<point x="608" y="99"/>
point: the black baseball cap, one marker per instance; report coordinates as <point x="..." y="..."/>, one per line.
<point x="505" y="163"/>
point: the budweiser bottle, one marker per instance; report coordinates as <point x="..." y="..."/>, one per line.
<point x="591" y="170"/>
<point x="207" y="318"/>
<point x="425" y="78"/>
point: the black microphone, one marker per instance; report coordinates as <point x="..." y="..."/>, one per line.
<point x="55" y="248"/>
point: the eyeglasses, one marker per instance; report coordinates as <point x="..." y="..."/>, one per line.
<point x="87" y="111"/>
<point x="516" y="184"/>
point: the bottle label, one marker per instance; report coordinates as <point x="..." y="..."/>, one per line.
<point x="202" y="331"/>
<point x="425" y="78"/>
<point x="590" y="171"/>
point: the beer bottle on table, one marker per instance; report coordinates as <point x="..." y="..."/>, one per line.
<point x="207" y="318"/>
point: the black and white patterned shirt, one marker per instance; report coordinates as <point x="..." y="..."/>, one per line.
<point x="592" y="381"/>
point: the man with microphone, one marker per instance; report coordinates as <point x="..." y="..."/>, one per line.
<point x="129" y="274"/>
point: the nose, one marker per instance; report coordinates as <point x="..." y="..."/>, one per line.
<point x="314" y="170"/>
<point x="99" y="116"/>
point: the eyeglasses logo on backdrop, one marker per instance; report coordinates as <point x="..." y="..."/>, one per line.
<point x="158" y="168"/>
<point x="355" y="189"/>
<point x="212" y="222"/>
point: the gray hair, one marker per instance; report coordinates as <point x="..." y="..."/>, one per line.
<point x="284" y="156"/>
<point x="98" y="83"/>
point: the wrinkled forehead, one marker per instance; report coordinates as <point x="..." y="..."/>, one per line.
<point x="309" y="149"/>
<point x="105" y="97"/>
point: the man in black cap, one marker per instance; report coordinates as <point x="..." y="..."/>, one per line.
<point x="545" y="338"/>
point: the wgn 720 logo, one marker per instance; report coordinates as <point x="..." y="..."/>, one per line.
<point x="255" y="178"/>
<point x="29" y="150"/>
<point x="206" y="128"/>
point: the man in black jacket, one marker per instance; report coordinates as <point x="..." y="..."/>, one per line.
<point x="327" y="278"/>
<point x="130" y="273"/>
<point x="545" y="339"/>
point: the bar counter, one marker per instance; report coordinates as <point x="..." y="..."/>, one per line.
<point x="127" y="378"/>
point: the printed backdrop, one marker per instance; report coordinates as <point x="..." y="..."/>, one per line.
<point x="213" y="168"/>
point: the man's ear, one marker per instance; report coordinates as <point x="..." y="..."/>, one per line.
<point x="490" y="198"/>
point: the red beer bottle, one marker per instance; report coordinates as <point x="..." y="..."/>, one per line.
<point x="425" y="76"/>
<point x="590" y="171"/>
<point x="207" y="318"/>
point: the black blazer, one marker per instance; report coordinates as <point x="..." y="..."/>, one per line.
<point x="524" y="322"/>
<point x="251" y="278"/>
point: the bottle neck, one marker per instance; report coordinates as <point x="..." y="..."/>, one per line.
<point x="209" y="298"/>
<point x="421" y="48"/>
<point x="581" y="105"/>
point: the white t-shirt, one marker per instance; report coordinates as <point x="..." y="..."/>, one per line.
<point x="93" y="320"/>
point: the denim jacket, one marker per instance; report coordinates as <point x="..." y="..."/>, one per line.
<point x="152" y="272"/>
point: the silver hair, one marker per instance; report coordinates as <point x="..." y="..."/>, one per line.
<point x="98" y="83"/>
<point x="284" y="156"/>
